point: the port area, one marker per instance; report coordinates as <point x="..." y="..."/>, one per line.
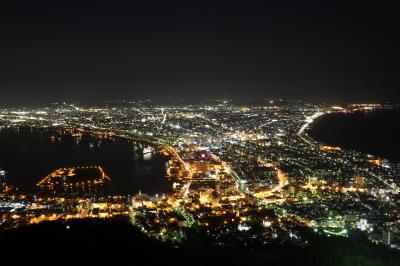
<point x="83" y="179"/>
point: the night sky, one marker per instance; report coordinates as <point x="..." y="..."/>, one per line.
<point x="197" y="49"/>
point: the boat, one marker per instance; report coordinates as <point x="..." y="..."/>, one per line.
<point x="148" y="150"/>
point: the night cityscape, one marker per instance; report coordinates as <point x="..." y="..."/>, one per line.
<point x="199" y="133"/>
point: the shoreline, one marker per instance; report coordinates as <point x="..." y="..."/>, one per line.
<point x="343" y="142"/>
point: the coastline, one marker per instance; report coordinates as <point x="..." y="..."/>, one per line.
<point x="359" y="131"/>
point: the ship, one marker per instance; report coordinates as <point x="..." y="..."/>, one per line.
<point x="2" y="178"/>
<point x="148" y="150"/>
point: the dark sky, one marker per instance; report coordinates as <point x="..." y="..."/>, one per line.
<point x="80" y="50"/>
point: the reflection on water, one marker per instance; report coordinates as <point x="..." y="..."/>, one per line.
<point x="28" y="155"/>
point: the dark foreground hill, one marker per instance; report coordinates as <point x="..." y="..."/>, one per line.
<point x="97" y="242"/>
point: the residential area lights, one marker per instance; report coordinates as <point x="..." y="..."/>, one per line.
<point x="233" y="169"/>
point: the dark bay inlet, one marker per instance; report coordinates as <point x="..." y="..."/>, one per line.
<point x="375" y="132"/>
<point x="27" y="155"/>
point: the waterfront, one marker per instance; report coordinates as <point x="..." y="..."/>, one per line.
<point x="249" y="175"/>
<point x="373" y="132"/>
<point x="28" y="155"/>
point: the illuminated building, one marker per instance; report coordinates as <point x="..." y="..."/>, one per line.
<point x="142" y="200"/>
<point x="387" y="237"/>
<point x="201" y="166"/>
<point x="205" y="196"/>
<point x="359" y="181"/>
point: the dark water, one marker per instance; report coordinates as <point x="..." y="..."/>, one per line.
<point x="30" y="154"/>
<point x="376" y="132"/>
